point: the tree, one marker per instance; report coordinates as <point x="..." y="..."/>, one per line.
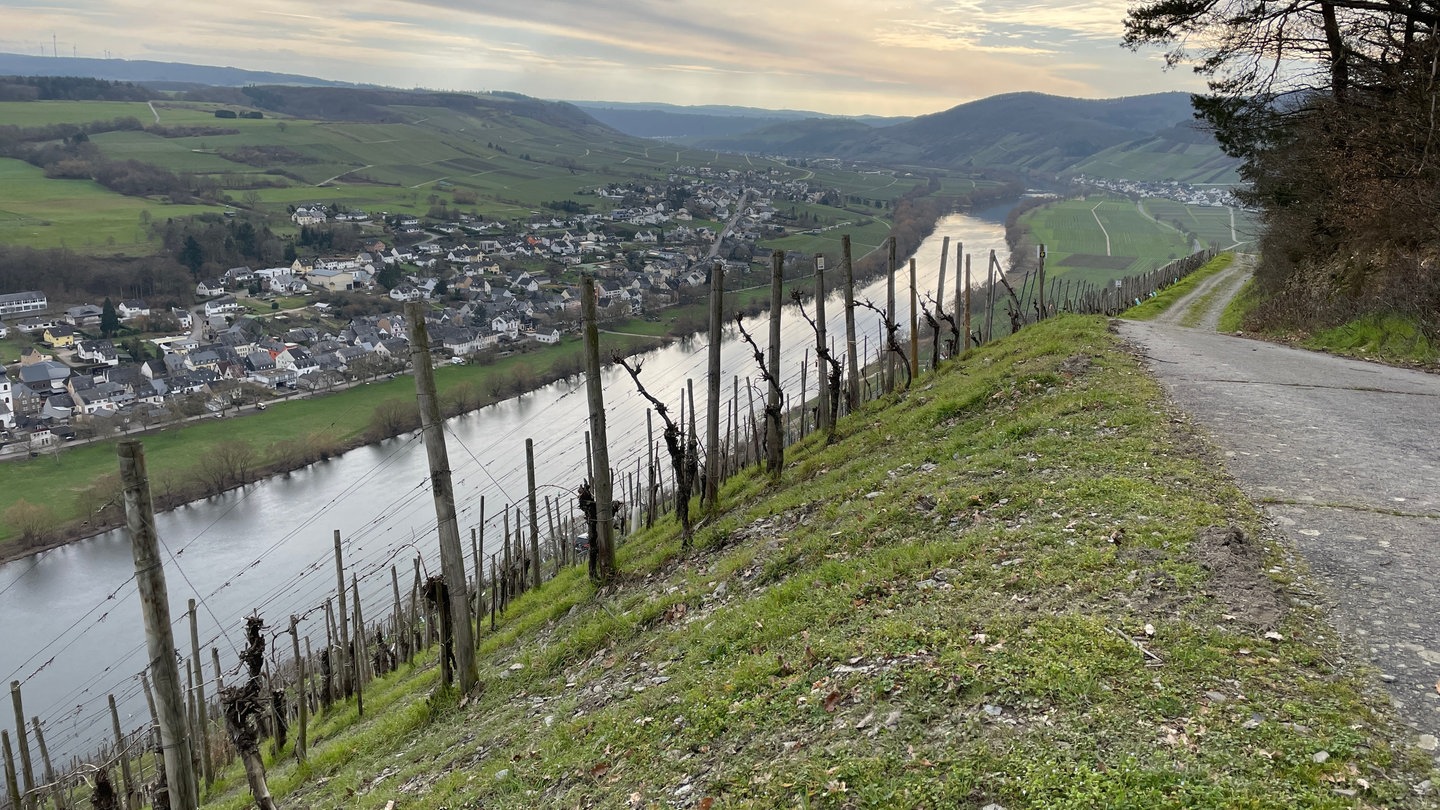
<point x="109" y="319"/>
<point x="192" y="256"/>
<point x="31" y="520"/>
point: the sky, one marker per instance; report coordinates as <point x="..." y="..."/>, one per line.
<point x="848" y="57"/>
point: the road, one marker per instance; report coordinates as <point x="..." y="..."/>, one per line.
<point x="1344" y="458"/>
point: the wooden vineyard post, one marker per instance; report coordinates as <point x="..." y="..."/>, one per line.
<point x="12" y="781"/>
<point x="127" y="780"/>
<point x="300" y="684"/>
<point x="54" y="789"/>
<point x="603" y="553"/>
<point x="452" y="558"/>
<point x="359" y="651"/>
<point x="774" y="443"/>
<point x="534" y="512"/>
<point x="914" y="321"/>
<point x="852" y="361"/>
<point x="205" y="768"/>
<point x="27" y="770"/>
<point x="825" y="415"/>
<point x="712" y="387"/>
<point x="888" y="363"/>
<point x="346" y="666"/>
<point x="155" y="610"/>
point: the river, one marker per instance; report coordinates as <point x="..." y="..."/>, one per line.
<point x="71" y="618"/>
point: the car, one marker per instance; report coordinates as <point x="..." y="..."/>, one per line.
<point x="259" y="406"/>
<point x="582" y="544"/>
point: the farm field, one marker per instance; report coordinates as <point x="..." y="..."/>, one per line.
<point x="42" y="113"/>
<point x="1211" y="225"/>
<point x="36" y="211"/>
<point x="1103" y="238"/>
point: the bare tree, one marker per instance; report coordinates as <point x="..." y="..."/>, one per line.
<point x="680" y="446"/>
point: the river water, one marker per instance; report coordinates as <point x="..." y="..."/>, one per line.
<point x="71" y="619"/>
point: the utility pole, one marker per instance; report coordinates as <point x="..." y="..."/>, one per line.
<point x="452" y="556"/>
<point x="155" y="609"/>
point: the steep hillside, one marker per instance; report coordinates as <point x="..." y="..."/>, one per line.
<point x="694" y="124"/>
<point x="1023" y="583"/>
<point x="1144" y="137"/>
<point x="144" y="71"/>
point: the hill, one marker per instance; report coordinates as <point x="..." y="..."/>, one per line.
<point x="1023" y="583"/>
<point x="691" y="124"/>
<point x="1145" y="137"/>
<point x="146" y="71"/>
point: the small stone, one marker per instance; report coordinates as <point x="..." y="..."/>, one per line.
<point x="1387" y="677"/>
<point x="1274" y="636"/>
<point x="992" y="710"/>
<point x="867" y="720"/>
<point x="516" y="667"/>
<point x="721" y="589"/>
<point x="892" y="719"/>
<point x="501" y="774"/>
<point x="1422" y="788"/>
<point x="993" y="806"/>
<point x="549" y="720"/>
<point x="872" y="495"/>
<point x="1215" y="697"/>
<point x="1150" y="630"/>
<point x="1427" y="742"/>
<point x="927" y="584"/>
<point x="685" y="789"/>
<point x="1254" y="721"/>
<point x="1320" y="757"/>
<point x="1346" y="792"/>
<point x="947" y="574"/>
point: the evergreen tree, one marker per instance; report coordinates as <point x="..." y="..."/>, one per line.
<point x="109" y="319"/>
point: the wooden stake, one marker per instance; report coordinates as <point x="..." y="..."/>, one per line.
<point x="534" y="511"/>
<point x="452" y="559"/>
<point x="966" y="344"/>
<point x="604" y="554"/>
<point x="53" y="789"/>
<point x="27" y="771"/>
<point x="852" y="361"/>
<point x="300" y="684"/>
<point x="824" y="413"/>
<point x="126" y="779"/>
<point x="12" y="782"/>
<point x="914" y="322"/>
<point x="205" y="767"/>
<point x="155" y="609"/>
<point x="361" y="659"/>
<point x="346" y="668"/>
<point x="774" y="443"/>
<point x="712" y="386"/>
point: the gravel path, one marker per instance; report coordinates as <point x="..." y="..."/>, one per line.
<point x="1344" y="456"/>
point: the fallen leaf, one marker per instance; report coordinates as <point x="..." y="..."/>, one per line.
<point x="831" y="702"/>
<point x="600" y="769"/>
<point x="707" y="803"/>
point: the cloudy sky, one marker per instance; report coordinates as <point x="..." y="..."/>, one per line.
<point x="884" y="57"/>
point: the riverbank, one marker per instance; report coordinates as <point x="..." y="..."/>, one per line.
<point x="77" y="490"/>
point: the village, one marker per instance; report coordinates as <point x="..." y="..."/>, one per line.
<point x="323" y="323"/>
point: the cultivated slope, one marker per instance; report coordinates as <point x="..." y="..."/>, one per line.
<point x="1024" y="583"/>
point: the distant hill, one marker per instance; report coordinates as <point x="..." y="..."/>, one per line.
<point x="1023" y="131"/>
<point x="145" y="71"/>
<point x="688" y="124"/>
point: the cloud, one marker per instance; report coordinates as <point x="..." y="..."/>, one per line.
<point x="852" y="56"/>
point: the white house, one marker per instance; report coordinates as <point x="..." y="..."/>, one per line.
<point x="226" y="304"/>
<point x="132" y="309"/>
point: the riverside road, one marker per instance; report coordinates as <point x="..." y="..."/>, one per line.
<point x="1344" y="456"/>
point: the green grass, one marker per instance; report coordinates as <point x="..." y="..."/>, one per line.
<point x="1235" y="311"/>
<point x="953" y="604"/>
<point x="82" y="215"/>
<point x="42" y="113"/>
<point x="1149" y="309"/>
<point x="1385" y="337"/>
<point x="1077" y="247"/>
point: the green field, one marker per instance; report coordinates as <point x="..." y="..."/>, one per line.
<point x="81" y="215"/>
<point x="1075" y="235"/>
<point x="41" y="113"/>
<point x="1215" y="227"/>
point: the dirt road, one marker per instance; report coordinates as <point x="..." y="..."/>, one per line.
<point x="1344" y="456"/>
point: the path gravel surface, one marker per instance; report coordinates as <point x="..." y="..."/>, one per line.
<point x="1344" y="457"/>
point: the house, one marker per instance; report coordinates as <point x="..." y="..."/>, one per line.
<point x="332" y="279"/>
<point x="183" y="317"/>
<point x="46" y="377"/>
<point x="226" y="304"/>
<point x="309" y="216"/>
<point x="84" y="315"/>
<point x="22" y="302"/>
<point x="31" y="355"/>
<point x="238" y="276"/>
<point x="31" y="326"/>
<point x="406" y="292"/>
<point x="59" y="337"/>
<point x="208" y="289"/>
<point x="131" y="309"/>
<point x="552" y="336"/>
<point x="101" y="352"/>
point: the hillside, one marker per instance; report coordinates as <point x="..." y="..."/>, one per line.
<point x="146" y="71"/>
<point x="1145" y="137"/>
<point x="1024" y="583"/>
<point x="693" y="124"/>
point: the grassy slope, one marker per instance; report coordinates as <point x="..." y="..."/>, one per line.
<point x="941" y="609"/>
<point x="1151" y="308"/>
<point x="1136" y="243"/>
